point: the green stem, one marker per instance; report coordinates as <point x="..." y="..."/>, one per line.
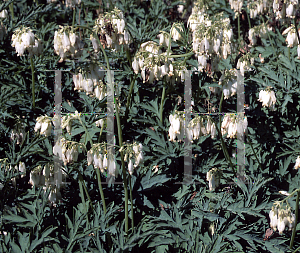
<point x="81" y="190"/>
<point x="297" y="250"/>
<point x="74" y="13"/>
<point x="268" y="34"/>
<point x="120" y="138"/>
<point x="100" y="185"/>
<point x="100" y="189"/>
<point x="225" y="151"/>
<point x="180" y="55"/>
<point x="131" y="84"/>
<point x="162" y="103"/>
<point x="248" y="17"/>
<point x="129" y="96"/>
<point x="131" y="205"/>
<point x="33" y="82"/>
<point x="220" y="109"/>
<point x="86" y="131"/>
<point x="11" y="8"/>
<point x="296" y="219"/>
<point x="289" y="53"/>
<point x="164" y="85"/>
<point x="239" y="29"/>
<point x="254" y="153"/>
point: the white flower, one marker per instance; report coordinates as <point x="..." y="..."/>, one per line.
<point x="72" y="37"/>
<point x="163" y="39"/>
<point x="121" y="26"/>
<point x="96" y="161"/>
<point x="297" y="164"/>
<point x="34" y="178"/>
<point x="100" y="162"/>
<point x="112" y="167"/>
<point x="89" y="157"/>
<point x="180" y="8"/>
<point x="46" y="171"/>
<point x="176" y="124"/>
<point x="130" y="167"/>
<point x="37" y="126"/>
<point x="139" y="159"/>
<point x="232" y="129"/>
<point x="282" y="220"/>
<point x="74" y="153"/>
<point x="213" y="179"/>
<point x="273" y="219"/>
<point x="22" y="168"/>
<point x="291" y="221"/>
<point x="46" y="128"/>
<point x="28" y="39"/>
<point x="3" y="14"/>
<point x="135" y="66"/>
<point x="175" y="33"/>
<point x="290" y="11"/>
<point x="268" y="99"/>
<point x="105" y="161"/>
<point x="99" y="123"/>
<point x="196" y="131"/>
<point x="94" y="43"/>
<point x="213" y="131"/>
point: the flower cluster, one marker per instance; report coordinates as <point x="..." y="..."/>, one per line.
<point x="72" y="3"/>
<point x="44" y="125"/>
<point x="24" y="39"/>
<point x="258" y="31"/>
<point x="46" y="177"/>
<point x="8" y="168"/>
<point x="194" y="130"/>
<point x="90" y="82"/>
<point x="234" y="124"/>
<point x="244" y="62"/>
<point x="236" y="5"/>
<point x="111" y="31"/>
<point x="268" y="98"/>
<point x="66" y="150"/>
<point x="197" y="129"/>
<point x="213" y="177"/>
<point x="228" y="80"/>
<point x="99" y="158"/>
<point x="291" y="38"/>
<point x="257" y="7"/>
<point x="135" y="152"/>
<point x="211" y="40"/>
<point x="176" y="129"/>
<point x="18" y="133"/>
<point x="155" y="64"/>
<point x="297" y="164"/>
<point x="280" y="218"/>
<point x="67" y="43"/>
<point x="290" y="10"/>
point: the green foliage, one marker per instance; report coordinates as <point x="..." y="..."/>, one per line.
<point x="169" y="216"/>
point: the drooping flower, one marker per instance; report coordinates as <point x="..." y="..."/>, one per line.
<point x="297" y="164"/>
